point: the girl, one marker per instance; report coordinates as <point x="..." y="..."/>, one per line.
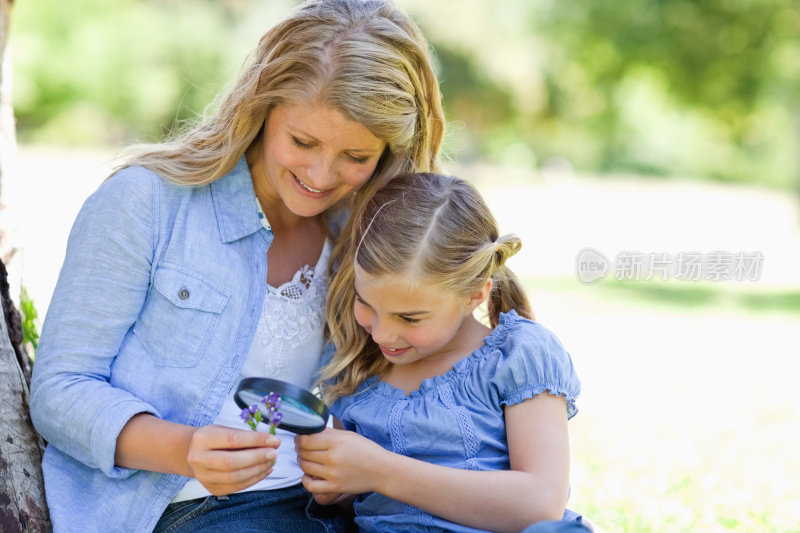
<point x="203" y="260"/>
<point x="465" y="425"/>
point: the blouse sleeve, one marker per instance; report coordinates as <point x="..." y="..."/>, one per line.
<point x="100" y="292"/>
<point x="339" y="410"/>
<point x="533" y="361"/>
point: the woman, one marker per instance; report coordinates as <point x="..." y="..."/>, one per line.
<point x="202" y="260"/>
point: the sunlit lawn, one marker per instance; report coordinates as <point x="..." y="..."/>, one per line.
<point x="689" y="416"/>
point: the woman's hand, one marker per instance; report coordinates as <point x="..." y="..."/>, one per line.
<point x="226" y="460"/>
<point x="338" y="462"/>
<point x="222" y="459"/>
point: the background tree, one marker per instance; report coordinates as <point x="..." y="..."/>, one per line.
<point x="22" y="502"/>
<point x="704" y="89"/>
<point x="707" y="89"/>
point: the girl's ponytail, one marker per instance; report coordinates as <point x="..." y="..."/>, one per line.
<point x="507" y="292"/>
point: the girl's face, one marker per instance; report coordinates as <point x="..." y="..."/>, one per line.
<point x="312" y="157"/>
<point x="411" y="321"/>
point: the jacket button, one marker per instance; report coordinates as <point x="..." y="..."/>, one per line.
<point x="183" y="294"/>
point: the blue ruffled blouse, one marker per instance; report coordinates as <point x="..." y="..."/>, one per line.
<point x="456" y="419"/>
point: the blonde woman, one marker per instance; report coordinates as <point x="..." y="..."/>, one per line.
<point x="465" y="424"/>
<point x="203" y="260"/>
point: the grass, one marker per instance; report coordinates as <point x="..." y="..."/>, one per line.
<point x="688" y="417"/>
<point x="682" y="295"/>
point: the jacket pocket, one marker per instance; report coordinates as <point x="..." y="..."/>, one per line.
<point x="179" y="317"/>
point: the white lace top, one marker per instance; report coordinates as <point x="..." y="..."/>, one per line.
<point x="287" y="346"/>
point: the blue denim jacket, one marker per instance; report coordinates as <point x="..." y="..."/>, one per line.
<point x="154" y="311"/>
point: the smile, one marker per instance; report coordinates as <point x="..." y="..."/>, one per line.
<point x="394" y="351"/>
<point x="306" y="187"/>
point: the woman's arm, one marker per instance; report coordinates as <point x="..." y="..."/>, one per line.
<point x="534" y="489"/>
<point x="223" y="459"/>
<point x="100" y="293"/>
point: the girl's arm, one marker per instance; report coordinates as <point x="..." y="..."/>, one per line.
<point x="534" y="489"/>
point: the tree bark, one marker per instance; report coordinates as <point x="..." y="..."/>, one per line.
<point x="14" y="326"/>
<point x="22" y="502"/>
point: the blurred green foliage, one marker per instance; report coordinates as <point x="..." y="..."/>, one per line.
<point x="30" y="332"/>
<point x="95" y="72"/>
<point x="706" y="88"/>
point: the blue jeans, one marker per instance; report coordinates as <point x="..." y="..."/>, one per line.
<point x="556" y="527"/>
<point x="571" y="523"/>
<point x="289" y="510"/>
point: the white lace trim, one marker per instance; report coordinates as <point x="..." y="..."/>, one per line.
<point x="293" y="313"/>
<point x="295" y="288"/>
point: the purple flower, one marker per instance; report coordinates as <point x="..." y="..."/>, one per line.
<point x="272" y="401"/>
<point x="251" y="415"/>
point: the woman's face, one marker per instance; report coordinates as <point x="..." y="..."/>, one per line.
<point x="312" y="157"/>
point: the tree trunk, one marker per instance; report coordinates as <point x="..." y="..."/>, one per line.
<point x="8" y="152"/>
<point x="22" y="502"/>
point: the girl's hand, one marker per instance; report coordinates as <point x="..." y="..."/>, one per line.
<point x="226" y="460"/>
<point x="336" y="461"/>
<point x="331" y="498"/>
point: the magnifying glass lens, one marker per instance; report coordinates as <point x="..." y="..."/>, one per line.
<point x="302" y="412"/>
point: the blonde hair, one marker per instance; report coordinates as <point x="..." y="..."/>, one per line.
<point x="365" y="58"/>
<point x="428" y="227"/>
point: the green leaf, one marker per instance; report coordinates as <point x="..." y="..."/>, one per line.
<point x="30" y="333"/>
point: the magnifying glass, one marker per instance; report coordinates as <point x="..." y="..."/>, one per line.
<point x="303" y="413"/>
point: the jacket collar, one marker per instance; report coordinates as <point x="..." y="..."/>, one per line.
<point x="235" y="203"/>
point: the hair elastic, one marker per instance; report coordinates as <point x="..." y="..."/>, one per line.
<point x="496" y="246"/>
